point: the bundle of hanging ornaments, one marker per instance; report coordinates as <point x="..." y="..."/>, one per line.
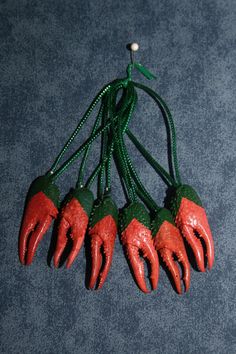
<point x="146" y="229"/>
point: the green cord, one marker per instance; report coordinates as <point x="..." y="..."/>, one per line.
<point x="108" y="169"/>
<point x="115" y="85"/>
<point x="167" y="115"/>
<point x="96" y="171"/>
<point x="145" y="196"/>
<point x="78" y="128"/>
<point x="103" y="152"/>
<point x="121" y="163"/>
<point x="121" y="147"/>
<point x="107" y="143"/>
<point x="77" y="153"/>
<point x="121" y="150"/>
<point x="89" y="141"/>
<point x="83" y="162"/>
<point x="155" y="165"/>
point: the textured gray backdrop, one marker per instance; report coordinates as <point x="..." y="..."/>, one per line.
<point x="55" y="55"/>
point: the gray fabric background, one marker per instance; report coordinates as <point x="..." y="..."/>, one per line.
<point x="55" y="56"/>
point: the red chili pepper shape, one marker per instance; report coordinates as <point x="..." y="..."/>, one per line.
<point x="191" y="219"/>
<point x="74" y="218"/>
<point x="102" y="232"/>
<point x="40" y="211"/>
<point x="136" y="236"/>
<point x="169" y="243"/>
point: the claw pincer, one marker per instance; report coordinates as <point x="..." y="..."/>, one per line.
<point x="74" y="219"/>
<point x="169" y="243"/>
<point x="102" y="232"/>
<point x="190" y="218"/>
<point x="41" y="208"/>
<point x="136" y="237"/>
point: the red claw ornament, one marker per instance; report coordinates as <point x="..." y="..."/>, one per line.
<point x="102" y="232"/>
<point x="41" y="209"/>
<point x="136" y="236"/>
<point x="74" y="218"/>
<point x="191" y="219"/>
<point x="169" y="243"/>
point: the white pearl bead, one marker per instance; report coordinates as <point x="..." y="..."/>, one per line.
<point x="134" y="47"/>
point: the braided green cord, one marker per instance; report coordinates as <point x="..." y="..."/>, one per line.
<point x="120" y="152"/>
<point x="94" y="174"/>
<point x="108" y="169"/>
<point x="103" y="152"/>
<point x="106" y="150"/>
<point x="89" y="141"/>
<point x="144" y="194"/>
<point x="78" y="128"/>
<point x="77" y="153"/>
<point x="139" y="186"/>
<point x="124" y="103"/>
<point x="119" y="160"/>
<point x="83" y="162"/>
<point x="171" y="127"/>
<point x="96" y="171"/>
<point x="155" y="165"/>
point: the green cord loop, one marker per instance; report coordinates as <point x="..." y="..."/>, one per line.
<point x="119" y="154"/>
<point x="78" y="152"/>
<point x="155" y="165"/>
<point x="82" y="166"/>
<point x="79" y="127"/>
<point x="142" y="192"/>
<point x="107" y="160"/>
<point x="170" y="123"/>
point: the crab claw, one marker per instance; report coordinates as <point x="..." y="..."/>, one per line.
<point x="169" y="243"/>
<point x="191" y="219"/>
<point x="102" y="235"/>
<point x="40" y="211"/>
<point x="74" y="219"/>
<point x="137" y="237"/>
<point x="102" y="232"/>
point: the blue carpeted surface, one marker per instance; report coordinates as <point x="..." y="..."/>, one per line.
<point x="55" y="55"/>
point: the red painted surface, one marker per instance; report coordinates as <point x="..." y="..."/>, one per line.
<point x="192" y="218"/>
<point x="103" y="234"/>
<point x="73" y="219"/>
<point x="39" y="213"/>
<point x="136" y="237"/>
<point x="168" y="242"/>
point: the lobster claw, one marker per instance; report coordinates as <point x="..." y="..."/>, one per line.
<point x="136" y="236"/>
<point x="74" y="219"/>
<point x="102" y="232"/>
<point x="191" y="219"/>
<point x="169" y="243"/>
<point x="41" y="209"/>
